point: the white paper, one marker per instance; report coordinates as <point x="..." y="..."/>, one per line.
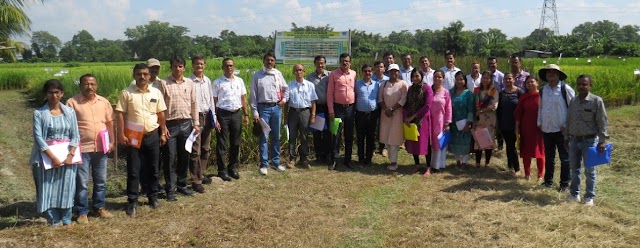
<point x="318" y="124"/>
<point x="286" y="132"/>
<point x="264" y="125"/>
<point x="60" y="151"/>
<point x="440" y="135"/>
<point x="461" y="124"/>
<point x="105" y="141"/>
<point x="188" y="145"/>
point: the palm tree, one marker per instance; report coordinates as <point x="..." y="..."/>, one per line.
<point x="9" y="48"/>
<point x="13" y="20"/>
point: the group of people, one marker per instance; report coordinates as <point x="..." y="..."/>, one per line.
<point x="157" y="117"/>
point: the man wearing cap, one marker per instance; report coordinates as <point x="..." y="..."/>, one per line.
<point x="552" y="115"/>
<point x="207" y="118"/>
<point x="320" y="80"/>
<point x="340" y="100"/>
<point x="405" y="70"/>
<point x="425" y="69"/>
<point x="450" y="71"/>
<point x="517" y="72"/>
<point x="182" y="118"/>
<point x="586" y="127"/>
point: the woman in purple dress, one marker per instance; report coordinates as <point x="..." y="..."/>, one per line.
<point x="416" y="111"/>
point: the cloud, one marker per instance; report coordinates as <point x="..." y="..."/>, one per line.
<point x="153" y="14"/>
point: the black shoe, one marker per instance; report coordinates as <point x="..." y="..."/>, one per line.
<point x="206" y="180"/>
<point x="131" y="209"/>
<point x="198" y="188"/>
<point x="224" y="176"/>
<point x="564" y="189"/>
<point x="348" y="165"/>
<point x="332" y="166"/>
<point x="171" y="196"/>
<point x="234" y="174"/>
<point x="547" y="184"/>
<point x="185" y="191"/>
<point x="153" y="202"/>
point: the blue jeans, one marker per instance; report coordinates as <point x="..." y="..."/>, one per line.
<point x="271" y="115"/>
<point x="577" y="156"/>
<point x="96" y="162"/>
<point x="58" y="215"/>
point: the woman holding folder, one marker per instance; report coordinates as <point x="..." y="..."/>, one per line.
<point x="440" y="119"/>
<point x="54" y="124"/>
<point x="486" y="104"/>
<point x="463" y="111"/>
<point x="416" y="111"/>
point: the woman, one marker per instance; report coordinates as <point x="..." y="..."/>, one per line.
<point x="526" y="117"/>
<point x="416" y="110"/>
<point x="392" y="96"/>
<point x="440" y="120"/>
<point x="486" y="103"/>
<point x="507" y="101"/>
<point x="462" y="101"/>
<point x="54" y="123"/>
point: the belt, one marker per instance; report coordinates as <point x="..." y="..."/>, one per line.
<point x="298" y="109"/>
<point x="585" y="137"/>
<point x="268" y="104"/>
<point x="154" y="131"/>
<point x="343" y="105"/>
<point x="224" y="111"/>
<point x="177" y="121"/>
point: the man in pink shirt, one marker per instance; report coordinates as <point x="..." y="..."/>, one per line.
<point x="341" y="96"/>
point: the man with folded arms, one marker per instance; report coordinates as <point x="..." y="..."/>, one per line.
<point x="229" y="94"/>
<point x="95" y="116"/>
<point x="586" y="127"/>
<point x="340" y="100"/>
<point x="206" y="116"/>
<point x="182" y="118"/>
<point x="144" y="106"/>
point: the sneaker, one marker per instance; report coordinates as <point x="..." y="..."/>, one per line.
<point x="280" y="168"/>
<point x="385" y="153"/>
<point x="305" y="164"/>
<point x="264" y="171"/>
<point x="82" y="219"/>
<point x="589" y="202"/>
<point x="392" y="167"/>
<point x="563" y="189"/>
<point x="198" y="188"/>
<point x="103" y="213"/>
<point x="291" y="164"/>
<point x="332" y="166"/>
<point x="572" y="198"/>
<point x="185" y="191"/>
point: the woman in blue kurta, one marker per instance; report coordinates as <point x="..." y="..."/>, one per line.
<point x="419" y="97"/>
<point x="463" y="109"/>
<point x="54" y="123"/>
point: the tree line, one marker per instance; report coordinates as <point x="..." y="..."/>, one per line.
<point x="163" y="40"/>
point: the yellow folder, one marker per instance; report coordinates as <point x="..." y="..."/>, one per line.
<point x="410" y="132"/>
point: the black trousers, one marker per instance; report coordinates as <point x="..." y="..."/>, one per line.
<point x="512" y="155"/>
<point x="231" y="133"/>
<point x="553" y="141"/>
<point x="346" y="114"/>
<point x="176" y="158"/>
<point x="142" y="166"/>
<point x="366" y="124"/>
<point x="322" y="138"/>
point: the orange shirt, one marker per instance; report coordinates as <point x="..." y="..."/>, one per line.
<point x="341" y="88"/>
<point x="92" y="117"/>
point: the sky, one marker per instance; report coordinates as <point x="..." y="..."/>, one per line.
<point x="516" y="18"/>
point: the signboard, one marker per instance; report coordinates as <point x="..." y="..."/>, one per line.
<point x="302" y="47"/>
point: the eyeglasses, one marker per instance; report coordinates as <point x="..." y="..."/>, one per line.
<point x="57" y="92"/>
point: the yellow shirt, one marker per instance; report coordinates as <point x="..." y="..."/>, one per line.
<point x="141" y="107"/>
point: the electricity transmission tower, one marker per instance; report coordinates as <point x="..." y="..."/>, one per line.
<point x="549" y="17"/>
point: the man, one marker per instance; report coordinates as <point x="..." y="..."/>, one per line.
<point x="366" y="115"/>
<point x="207" y="119"/>
<point x="473" y="79"/>
<point x="95" y="116"/>
<point x="340" y="100"/>
<point x="301" y="112"/>
<point x="320" y="80"/>
<point x="154" y="70"/>
<point x="498" y="76"/>
<point x="425" y="69"/>
<point x="142" y="106"/>
<point x="388" y="58"/>
<point x="552" y="116"/>
<point x="229" y="95"/>
<point x="516" y="70"/>
<point x="586" y="127"/>
<point x="379" y="77"/>
<point x="268" y="95"/>
<point x="405" y="70"/>
<point x="182" y="118"/>
<point x="450" y="71"/>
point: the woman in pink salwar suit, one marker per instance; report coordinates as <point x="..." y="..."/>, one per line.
<point x="440" y="120"/>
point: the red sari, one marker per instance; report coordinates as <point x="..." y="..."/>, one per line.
<point x="531" y="141"/>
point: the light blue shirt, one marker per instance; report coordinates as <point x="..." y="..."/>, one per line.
<point x="366" y="95"/>
<point x="301" y="94"/>
<point x="552" y="113"/>
<point x="498" y="80"/>
<point x="406" y="74"/>
<point x="379" y="81"/>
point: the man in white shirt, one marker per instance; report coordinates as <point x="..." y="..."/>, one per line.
<point x="473" y="79"/>
<point x="427" y="72"/>
<point x="450" y="71"/>
<point x="229" y="94"/>
<point x="206" y="114"/>
<point x="552" y="115"/>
